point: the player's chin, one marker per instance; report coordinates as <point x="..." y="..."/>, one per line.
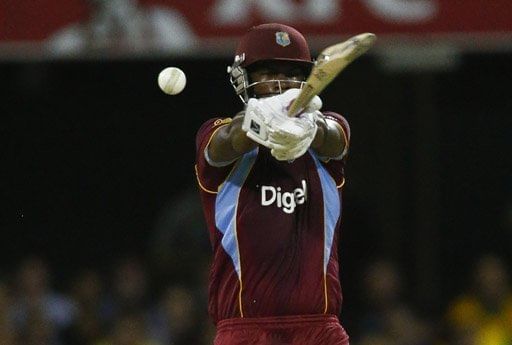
<point x="266" y="95"/>
<point x="272" y="93"/>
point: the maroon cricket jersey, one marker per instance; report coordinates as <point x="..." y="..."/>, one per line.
<point x="274" y="227"/>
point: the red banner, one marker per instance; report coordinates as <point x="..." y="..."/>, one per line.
<point x="185" y="20"/>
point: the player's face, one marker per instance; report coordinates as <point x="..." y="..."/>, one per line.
<point x="267" y="76"/>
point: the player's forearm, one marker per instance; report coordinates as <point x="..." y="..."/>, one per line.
<point x="329" y="141"/>
<point x="230" y="142"/>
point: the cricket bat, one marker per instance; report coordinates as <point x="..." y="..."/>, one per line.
<point x="331" y="61"/>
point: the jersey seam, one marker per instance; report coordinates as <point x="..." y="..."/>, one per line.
<point x="200" y="184"/>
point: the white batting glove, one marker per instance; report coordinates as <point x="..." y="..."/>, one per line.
<point x="261" y="118"/>
<point x="299" y="149"/>
<point x="266" y="121"/>
<point x="289" y="95"/>
<point x="295" y="129"/>
<point x="256" y="122"/>
<point x="292" y="146"/>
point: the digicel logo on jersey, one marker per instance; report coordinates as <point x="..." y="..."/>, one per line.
<point x="285" y="200"/>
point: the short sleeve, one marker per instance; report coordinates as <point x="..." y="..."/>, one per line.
<point x="210" y="177"/>
<point x="340" y="120"/>
<point x="336" y="166"/>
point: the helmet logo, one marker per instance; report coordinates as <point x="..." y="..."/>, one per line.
<point x="282" y="38"/>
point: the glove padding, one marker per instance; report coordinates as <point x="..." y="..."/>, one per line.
<point x="288" y="146"/>
<point x="266" y="121"/>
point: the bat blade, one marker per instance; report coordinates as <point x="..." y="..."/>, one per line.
<point x="331" y="61"/>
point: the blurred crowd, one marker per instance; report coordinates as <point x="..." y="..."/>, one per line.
<point x="479" y="314"/>
<point x="93" y="308"/>
<point x="123" y="306"/>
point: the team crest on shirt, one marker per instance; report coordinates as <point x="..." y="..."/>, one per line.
<point x="282" y="38"/>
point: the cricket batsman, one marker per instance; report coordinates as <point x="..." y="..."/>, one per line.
<point x="271" y="187"/>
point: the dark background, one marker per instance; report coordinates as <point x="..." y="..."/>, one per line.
<point x="92" y="153"/>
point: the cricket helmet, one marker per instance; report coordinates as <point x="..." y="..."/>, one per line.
<point x="263" y="43"/>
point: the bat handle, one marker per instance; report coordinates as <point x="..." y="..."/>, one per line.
<point x="299" y="103"/>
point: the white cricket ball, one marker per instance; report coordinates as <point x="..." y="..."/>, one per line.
<point x="172" y="80"/>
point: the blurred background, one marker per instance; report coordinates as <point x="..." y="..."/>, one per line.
<point x="103" y="237"/>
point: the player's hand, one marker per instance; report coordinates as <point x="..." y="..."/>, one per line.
<point x="267" y="122"/>
<point x="294" y="143"/>
<point x="289" y="96"/>
<point x="291" y="145"/>
<point x="295" y="129"/>
<point x="315" y="104"/>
